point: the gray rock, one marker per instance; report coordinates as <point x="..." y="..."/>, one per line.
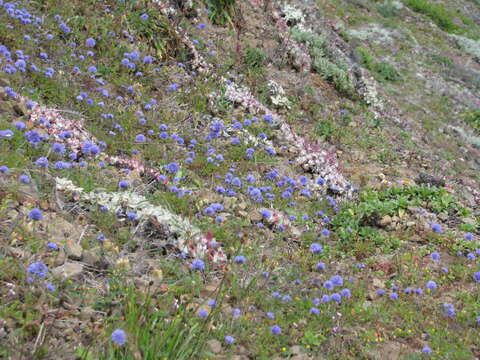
<point x="296" y="350"/>
<point x="91" y="257"/>
<point x="68" y="270"/>
<point x="73" y="250"/>
<point x="215" y="346"/>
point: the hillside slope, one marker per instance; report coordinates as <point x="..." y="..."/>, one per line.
<point x="239" y="180"/>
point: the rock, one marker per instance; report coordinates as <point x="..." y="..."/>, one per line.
<point x="300" y="357"/>
<point x="429" y="180"/>
<point x="91" y="257"/>
<point x="242" y="350"/>
<point x="60" y="230"/>
<point x="239" y="357"/>
<point x="215" y="346"/>
<point x="157" y="274"/>
<point x="296" y="350"/>
<point x="410" y="223"/>
<point x="243" y="205"/>
<point x="469" y="221"/>
<point x="443" y="216"/>
<point x="61" y="257"/>
<point x="20" y="109"/>
<point x="87" y="313"/>
<point x="386" y="220"/>
<point x="468" y="196"/>
<point x="4" y="82"/>
<point x="388" y="350"/>
<point x="68" y="270"/>
<point x="73" y="250"/>
<point x="255" y="216"/>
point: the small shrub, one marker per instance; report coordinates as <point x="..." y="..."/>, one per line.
<point x="383" y="71"/>
<point x="324" y="128"/>
<point x="388" y="9"/>
<point x="386" y="72"/>
<point x="473" y="119"/>
<point x="254" y="58"/>
<point x="441" y="60"/>
<point x="221" y="11"/>
<point x="436" y="12"/>
<point x="330" y="67"/>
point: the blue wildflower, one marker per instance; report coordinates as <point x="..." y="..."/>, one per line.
<point x="198" y="265"/>
<point x="431" y="285"/>
<point x="39" y="269"/>
<point x="90" y="42"/>
<point x="276" y="330"/>
<point x="119" y="337"/>
<point x="316" y="248"/>
<point x="35" y="214"/>
<point x="240" y="259"/>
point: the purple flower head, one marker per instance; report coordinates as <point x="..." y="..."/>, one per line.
<point x="426" y="350"/>
<point x="325" y="299"/>
<point x="380" y="292"/>
<point x="119" y="337"/>
<point x="212" y="302"/>
<point x="58" y="148"/>
<point x="140" y="138"/>
<point x="39" y="269"/>
<point x="35" y="214"/>
<point x="6" y="134"/>
<point x="268" y="118"/>
<point x="240" y="259"/>
<point x="50" y="287"/>
<point x="270" y="315"/>
<point x="316" y="248"/>
<point x="468" y="236"/>
<point x="431" y="285"/>
<point x="449" y="310"/>
<point x="42" y="162"/>
<point x="336" y="297"/>
<point x="437" y="228"/>
<point x="90" y="42"/>
<point x="346" y="293"/>
<point x="132" y="216"/>
<point x="435" y="256"/>
<point x="236" y="313"/>
<point x="276" y="330"/>
<point x="266" y="214"/>
<point x="328" y="285"/>
<point x="202" y="313"/>
<point x="52" y="246"/>
<point x="314" y="311"/>
<point x="320" y="266"/>
<point x="172" y="168"/>
<point x="4" y="169"/>
<point x="24" y="179"/>
<point x="394" y="296"/>
<point x="476" y="276"/>
<point x="337" y="280"/>
<point x="229" y="339"/>
<point x="144" y="17"/>
<point x="198" y="265"/>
